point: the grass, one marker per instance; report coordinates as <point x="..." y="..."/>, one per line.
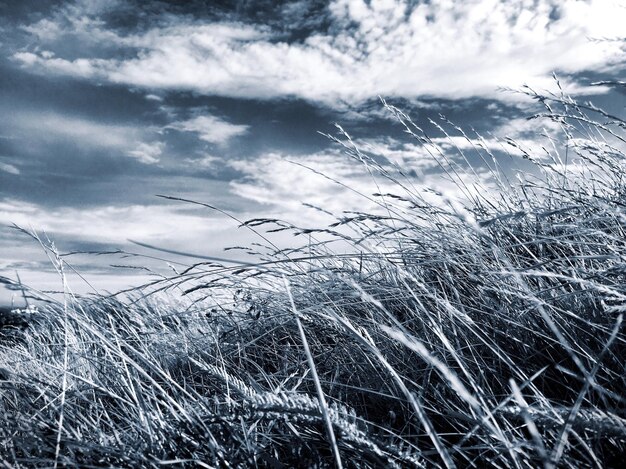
<point x="446" y="335"/>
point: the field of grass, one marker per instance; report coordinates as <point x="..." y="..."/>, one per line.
<point x="484" y="335"/>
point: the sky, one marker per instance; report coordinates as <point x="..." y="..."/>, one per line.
<point x="106" y="104"/>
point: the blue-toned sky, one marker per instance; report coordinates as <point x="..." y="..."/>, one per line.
<point x="105" y="103"/>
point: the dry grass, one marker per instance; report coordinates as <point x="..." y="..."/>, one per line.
<point x="447" y="336"/>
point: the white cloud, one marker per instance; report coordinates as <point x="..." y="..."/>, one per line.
<point x="83" y="68"/>
<point x="275" y="181"/>
<point x="532" y="136"/>
<point x="173" y="225"/>
<point x="51" y="126"/>
<point x="206" y="162"/>
<point x="210" y="129"/>
<point x="337" y="183"/>
<point x="9" y="168"/>
<point x="147" y="153"/>
<point x="407" y="156"/>
<point x="113" y="224"/>
<point x="440" y="48"/>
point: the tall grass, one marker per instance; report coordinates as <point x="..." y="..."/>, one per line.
<point x="447" y="335"/>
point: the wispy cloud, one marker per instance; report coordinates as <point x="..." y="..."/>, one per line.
<point x="9" y="168"/>
<point x="111" y="225"/>
<point x="147" y="153"/>
<point x="337" y="183"/>
<point x="206" y="162"/>
<point x="172" y="226"/>
<point x="210" y="129"/>
<point x="437" y="48"/>
<point x="46" y="127"/>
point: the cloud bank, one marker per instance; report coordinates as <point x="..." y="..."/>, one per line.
<point x="382" y="47"/>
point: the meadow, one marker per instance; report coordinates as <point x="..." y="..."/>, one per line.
<point x="484" y="334"/>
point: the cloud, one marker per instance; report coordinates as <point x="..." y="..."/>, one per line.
<point x="81" y="68"/>
<point x="9" y="168"/>
<point x="210" y="129"/>
<point x="46" y="127"/>
<point x="206" y="162"/>
<point x="337" y="183"/>
<point x="111" y="225"/>
<point x="172" y="225"/>
<point x="53" y="125"/>
<point x="381" y="47"/>
<point x="409" y="157"/>
<point x="147" y="153"/>
<point x="274" y="180"/>
<point x="439" y="170"/>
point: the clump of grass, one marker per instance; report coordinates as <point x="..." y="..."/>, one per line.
<point x="488" y="333"/>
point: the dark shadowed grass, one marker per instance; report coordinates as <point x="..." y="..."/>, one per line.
<point x="445" y="335"/>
